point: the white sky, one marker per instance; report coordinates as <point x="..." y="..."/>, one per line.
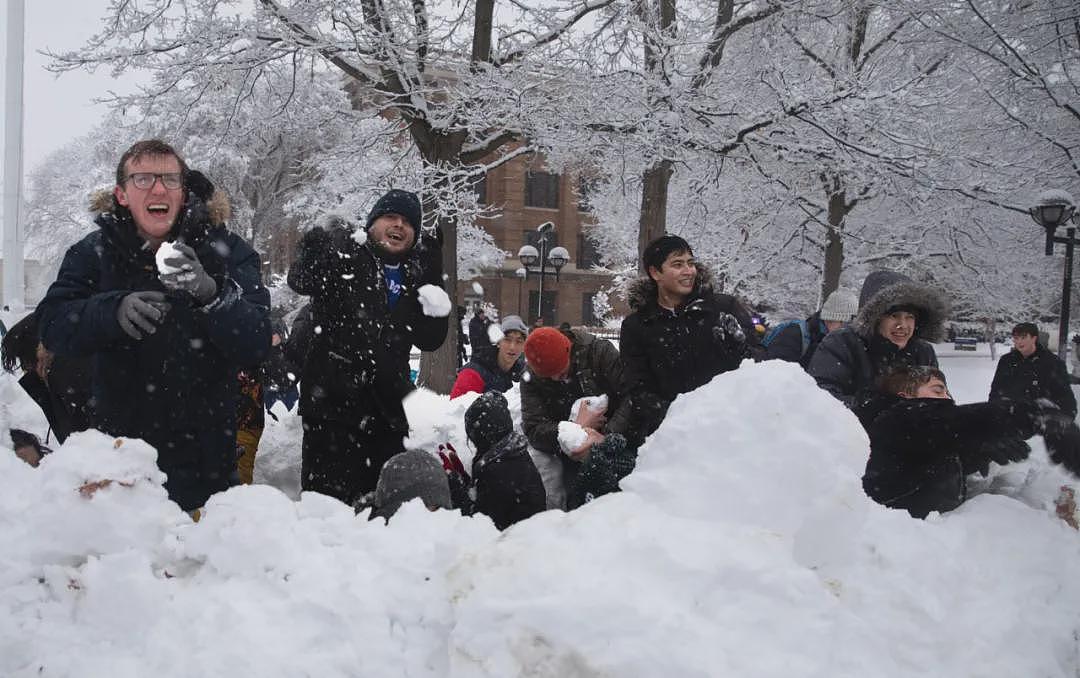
<point x="57" y="109"/>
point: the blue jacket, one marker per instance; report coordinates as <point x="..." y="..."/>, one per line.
<point x="177" y="388"/>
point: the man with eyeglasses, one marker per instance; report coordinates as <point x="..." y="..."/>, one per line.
<point x="167" y="338"/>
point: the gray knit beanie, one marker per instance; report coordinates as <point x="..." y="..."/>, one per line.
<point x="408" y="475"/>
<point x="841" y="305"/>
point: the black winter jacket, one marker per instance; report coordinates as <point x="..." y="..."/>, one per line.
<point x="852" y="358"/>
<point x="923" y="449"/>
<point x="176" y="388"/>
<point x="508" y="486"/>
<point x="1041" y="375"/>
<point x="666" y="353"/>
<point x="66" y="399"/>
<point x="356" y="369"/>
<point x="595" y="369"/>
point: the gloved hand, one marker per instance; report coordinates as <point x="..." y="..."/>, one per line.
<point x="140" y="311"/>
<point x="728" y="333"/>
<point x="430" y="256"/>
<point x="458" y="480"/>
<point x="1002" y="451"/>
<point x="1062" y="441"/>
<point x="191" y="276"/>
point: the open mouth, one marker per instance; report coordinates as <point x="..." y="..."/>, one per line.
<point x="158" y="209"/>
<point x="395" y="237"/>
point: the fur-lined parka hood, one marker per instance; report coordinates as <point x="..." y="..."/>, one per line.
<point x="643" y="290"/>
<point x="883" y="290"/>
<point x="218" y="208"/>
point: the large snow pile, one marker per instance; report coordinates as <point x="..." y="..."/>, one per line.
<point x="741" y="546"/>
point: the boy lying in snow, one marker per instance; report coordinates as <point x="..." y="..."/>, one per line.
<point x="923" y="445"/>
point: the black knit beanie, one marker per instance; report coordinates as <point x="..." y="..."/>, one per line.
<point x="396" y="201"/>
<point x="487" y="421"/>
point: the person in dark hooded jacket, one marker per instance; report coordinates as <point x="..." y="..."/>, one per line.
<point x="681" y="333"/>
<point x="896" y="322"/>
<point x="495" y="367"/>
<point x="366" y="315"/>
<point x="165" y="346"/>
<point x="1030" y="371"/>
<point x="508" y="486"/>
<point x="923" y="445"/>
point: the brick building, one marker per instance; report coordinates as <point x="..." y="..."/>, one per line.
<point x="527" y="196"/>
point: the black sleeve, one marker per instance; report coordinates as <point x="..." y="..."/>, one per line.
<point x="647" y="404"/>
<point x="833" y="369"/>
<point x="1060" y="389"/>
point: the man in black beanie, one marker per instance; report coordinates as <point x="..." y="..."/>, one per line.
<point x="367" y="314"/>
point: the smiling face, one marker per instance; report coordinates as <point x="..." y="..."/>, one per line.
<point x="510" y="347"/>
<point x="392" y="233"/>
<point x="153" y="209"/>
<point x="675" y="277"/>
<point x="898" y="327"/>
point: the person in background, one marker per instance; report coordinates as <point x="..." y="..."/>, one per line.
<point x="681" y="333"/>
<point x="60" y="385"/>
<point x="1030" y="372"/>
<point x="28" y="447"/>
<point x="478" y="329"/>
<point x="366" y="315"/>
<point x="896" y="323"/>
<point x="495" y="367"/>
<point x="796" y="340"/>
<point x="166" y="339"/>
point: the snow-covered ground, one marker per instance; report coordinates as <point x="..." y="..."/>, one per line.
<point x="742" y="546"/>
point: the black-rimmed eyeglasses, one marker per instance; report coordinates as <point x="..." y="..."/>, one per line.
<point x="145" y="180"/>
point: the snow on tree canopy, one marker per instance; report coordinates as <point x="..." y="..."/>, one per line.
<point x="742" y="545"/>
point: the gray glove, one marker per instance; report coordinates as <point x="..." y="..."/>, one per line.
<point x="191" y="278"/>
<point x="140" y="311"/>
<point x="728" y="332"/>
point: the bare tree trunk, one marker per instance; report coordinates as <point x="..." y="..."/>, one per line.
<point x="839" y="208"/>
<point x="654" y="194"/>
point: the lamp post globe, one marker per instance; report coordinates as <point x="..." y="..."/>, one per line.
<point x="1054" y="208"/>
<point x="559" y="257"/>
<point x="528" y="255"/>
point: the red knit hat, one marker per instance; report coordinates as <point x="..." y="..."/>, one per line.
<point x="547" y="351"/>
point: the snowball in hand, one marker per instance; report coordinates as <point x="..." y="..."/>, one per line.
<point x="594" y="403"/>
<point x="571" y="436"/>
<point x="435" y="302"/>
<point x="167" y="250"/>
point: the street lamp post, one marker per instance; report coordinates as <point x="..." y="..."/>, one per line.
<point x="530" y="256"/>
<point x="1052" y="209"/>
<point x="520" y="273"/>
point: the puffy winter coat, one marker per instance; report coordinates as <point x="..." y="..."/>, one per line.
<point x="923" y="449"/>
<point x="508" y="486"/>
<point x="595" y="369"/>
<point x="1040" y="375"/>
<point x="176" y="388"/>
<point x="482" y="374"/>
<point x="356" y="369"/>
<point x="852" y="358"/>
<point x="666" y="353"/>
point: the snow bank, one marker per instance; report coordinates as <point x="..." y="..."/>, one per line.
<point x="742" y="545"/>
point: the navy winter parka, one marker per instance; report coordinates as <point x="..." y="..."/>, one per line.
<point x="176" y="388"/>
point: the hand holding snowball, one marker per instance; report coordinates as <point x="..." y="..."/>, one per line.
<point x="590" y="413"/>
<point x="434" y="301"/>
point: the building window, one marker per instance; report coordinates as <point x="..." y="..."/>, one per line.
<point x="588" y="314"/>
<point x="532" y="237"/>
<point x="587" y="255"/>
<point x="548" y="307"/>
<point x="542" y="190"/>
<point x="479" y="187"/>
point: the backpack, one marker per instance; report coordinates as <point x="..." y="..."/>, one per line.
<point x="804" y="329"/>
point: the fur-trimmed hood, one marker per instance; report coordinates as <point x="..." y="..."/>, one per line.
<point x="883" y="290"/>
<point x="218" y="207"/>
<point x="643" y="290"/>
